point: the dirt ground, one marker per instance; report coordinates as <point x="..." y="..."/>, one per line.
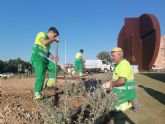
<point x="18" y="107"/>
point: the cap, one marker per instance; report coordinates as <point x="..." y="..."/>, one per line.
<point x="116" y="49"/>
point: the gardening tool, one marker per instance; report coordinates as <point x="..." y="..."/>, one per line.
<point x="54" y="87"/>
<point x="55" y="83"/>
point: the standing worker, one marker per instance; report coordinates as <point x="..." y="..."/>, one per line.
<point x="79" y="63"/>
<point x="42" y="60"/>
<point x="122" y="82"/>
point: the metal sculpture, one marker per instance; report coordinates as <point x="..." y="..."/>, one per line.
<point x="140" y="40"/>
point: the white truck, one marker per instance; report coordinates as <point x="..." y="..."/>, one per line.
<point x="97" y="66"/>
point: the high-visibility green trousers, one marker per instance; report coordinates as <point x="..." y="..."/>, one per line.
<point x="125" y="93"/>
<point x="40" y="68"/>
<point x="78" y="66"/>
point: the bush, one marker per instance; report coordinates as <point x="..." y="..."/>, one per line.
<point x="78" y="105"/>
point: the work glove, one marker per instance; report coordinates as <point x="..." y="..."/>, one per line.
<point x="107" y="86"/>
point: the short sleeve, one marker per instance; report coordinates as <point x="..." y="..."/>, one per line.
<point x="124" y="70"/>
<point x="41" y="35"/>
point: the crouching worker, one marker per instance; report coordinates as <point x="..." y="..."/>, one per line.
<point x="42" y="60"/>
<point x="122" y="83"/>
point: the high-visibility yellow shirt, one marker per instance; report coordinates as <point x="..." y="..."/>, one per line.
<point x="123" y="69"/>
<point x="38" y="38"/>
<point x="78" y="55"/>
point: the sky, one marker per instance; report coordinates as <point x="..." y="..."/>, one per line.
<point x="92" y="25"/>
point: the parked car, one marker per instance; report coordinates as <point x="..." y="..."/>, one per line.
<point x="7" y="75"/>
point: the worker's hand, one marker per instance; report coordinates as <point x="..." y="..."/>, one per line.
<point x="56" y="38"/>
<point x="56" y="58"/>
<point x="107" y="85"/>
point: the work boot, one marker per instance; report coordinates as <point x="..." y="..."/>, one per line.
<point x="135" y="105"/>
<point x="37" y="96"/>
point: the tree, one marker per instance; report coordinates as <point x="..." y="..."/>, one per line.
<point x="104" y="56"/>
<point x="12" y="65"/>
<point x="2" y="65"/>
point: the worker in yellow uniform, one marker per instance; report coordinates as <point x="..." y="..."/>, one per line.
<point x="79" y="63"/>
<point x="122" y="83"/>
<point x="42" y="60"/>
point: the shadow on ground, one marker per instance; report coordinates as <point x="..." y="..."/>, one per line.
<point x="155" y="94"/>
<point x="114" y="117"/>
<point x="156" y="76"/>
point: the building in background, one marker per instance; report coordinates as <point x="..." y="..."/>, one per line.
<point x="160" y="60"/>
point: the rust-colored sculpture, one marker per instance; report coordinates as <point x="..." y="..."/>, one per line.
<point x="140" y="40"/>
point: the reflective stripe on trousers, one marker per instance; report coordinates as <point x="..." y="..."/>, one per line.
<point x="124" y="87"/>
